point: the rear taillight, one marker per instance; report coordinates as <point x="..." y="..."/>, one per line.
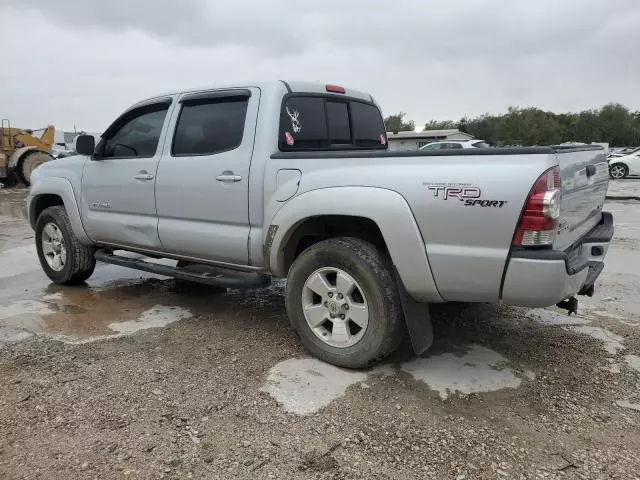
<point x="539" y="220"/>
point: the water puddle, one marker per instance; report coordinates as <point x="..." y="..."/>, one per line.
<point x="157" y="317"/>
<point x="633" y="361"/>
<point x="551" y="317"/>
<point x="84" y="314"/>
<point x="18" y="260"/>
<point x="479" y="369"/>
<point x="17" y="311"/>
<point x="305" y="385"/>
<point x="628" y="404"/>
<point x="613" y="367"/>
<point x="605" y="314"/>
<point x="612" y="342"/>
<point x="581" y="324"/>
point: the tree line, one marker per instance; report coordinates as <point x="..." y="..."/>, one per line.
<point x="613" y="123"/>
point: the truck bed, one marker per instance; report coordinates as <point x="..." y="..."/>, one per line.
<point x="467" y="243"/>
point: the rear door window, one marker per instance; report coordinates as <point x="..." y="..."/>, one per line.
<point x="210" y="126"/>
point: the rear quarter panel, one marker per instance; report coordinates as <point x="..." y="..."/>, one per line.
<point x="467" y="244"/>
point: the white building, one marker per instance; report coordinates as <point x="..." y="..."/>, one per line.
<point x="415" y="140"/>
<point x="65" y="139"/>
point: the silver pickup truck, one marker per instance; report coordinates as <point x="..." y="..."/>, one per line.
<point x="242" y="183"/>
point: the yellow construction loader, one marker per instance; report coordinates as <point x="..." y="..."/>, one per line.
<point x="21" y="151"/>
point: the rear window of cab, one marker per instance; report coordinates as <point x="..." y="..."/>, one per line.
<point x="322" y="122"/>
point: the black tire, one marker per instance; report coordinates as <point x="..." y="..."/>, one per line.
<point x="617" y="165"/>
<point x="194" y="287"/>
<point x="373" y="272"/>
<point x="29" y="163"/>
<point x="80" y="260"/>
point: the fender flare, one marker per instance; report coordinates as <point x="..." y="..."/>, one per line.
<point x="18" y="154"/>
<point x="387" y="208"/>
<point x="62" y="188"/>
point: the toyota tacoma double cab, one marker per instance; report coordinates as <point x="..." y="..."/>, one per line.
<point x="239" y="184"/>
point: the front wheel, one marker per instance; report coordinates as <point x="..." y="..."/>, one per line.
<point x="63" y="258"/>
<point x="618" y="171"/>
<point x="342" y="300"/>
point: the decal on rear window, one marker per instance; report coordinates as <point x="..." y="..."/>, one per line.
<point x="289" y="139"/>
<point x="296" y="126"/>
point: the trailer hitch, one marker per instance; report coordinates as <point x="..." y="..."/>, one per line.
<point x="570" y="305"/>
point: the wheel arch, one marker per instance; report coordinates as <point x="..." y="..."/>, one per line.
<point x="378" y="215"/>
<point x="51" y="191"/>
<point x="42" y="202"/>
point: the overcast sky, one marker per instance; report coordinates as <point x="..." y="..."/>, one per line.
<point x="81" y="62"/>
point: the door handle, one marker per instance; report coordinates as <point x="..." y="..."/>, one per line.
<point x="591" y="170"/>
<point x="143" y="176"/>
<point x="228" y="178"/>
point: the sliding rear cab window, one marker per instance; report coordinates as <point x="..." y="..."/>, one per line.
<point x="321" y="122"/>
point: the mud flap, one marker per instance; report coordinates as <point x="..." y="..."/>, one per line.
<point x="417" y="318"/>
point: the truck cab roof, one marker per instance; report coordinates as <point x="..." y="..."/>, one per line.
<point x="295" y="86"/>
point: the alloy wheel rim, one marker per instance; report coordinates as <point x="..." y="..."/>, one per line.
<point x="53" y="247"/>
<point x="335" y="307"/>
<point x="617" y="172"/>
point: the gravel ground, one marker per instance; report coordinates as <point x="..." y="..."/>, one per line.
<point x="131" y="377"/>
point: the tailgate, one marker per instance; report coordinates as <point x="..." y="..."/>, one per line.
<point x="585" y="177"/>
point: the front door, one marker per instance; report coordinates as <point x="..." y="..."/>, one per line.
<point x="202" y="189"/>
<point x="118" y="200"/>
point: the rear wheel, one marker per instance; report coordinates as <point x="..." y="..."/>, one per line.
<point x="618" y="171"/>
<point x="63" y="258"/>
<point x="30" y="163"/>
<point x="342" y="300"/>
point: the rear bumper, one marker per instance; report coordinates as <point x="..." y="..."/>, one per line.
<point x="540" y="278"/>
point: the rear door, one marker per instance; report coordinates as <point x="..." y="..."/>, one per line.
<point x="585" y="177"/>
<point x="118" y="201"/>
<point x="202" y="187"/>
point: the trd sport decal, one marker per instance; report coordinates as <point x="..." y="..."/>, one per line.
<point x="469" y="195"/>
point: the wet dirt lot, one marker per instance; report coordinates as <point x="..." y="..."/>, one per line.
<point x="132" y="377"/>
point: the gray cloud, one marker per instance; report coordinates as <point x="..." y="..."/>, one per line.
<point x="458" y="29"/>
<point x="431" y="59"/>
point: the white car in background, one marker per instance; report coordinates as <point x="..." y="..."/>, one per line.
<point x="623" y="152"/>
<point x="454" y="144"/>
<point x="625" y="166"/>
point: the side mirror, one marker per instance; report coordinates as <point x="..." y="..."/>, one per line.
<point x="85" y="144"/>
